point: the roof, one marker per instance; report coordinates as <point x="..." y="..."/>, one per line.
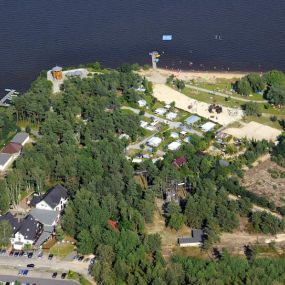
<point x="180" y="161"/>
<point x="4" y="158"/>
<point x="53" y="196"/>
<point x="12" y="148"/>
<point x="15" y="224"/>
<point x="154" y="141"/>
<point x="192" y="120"/>
<point x="44" y="217"/>
<point x="113" y="224"/>
<point x="197" y="237"/>
<point x="28" y="228"/>
<point x="208" y="126"/>
<point x="174" y="135"/>
<point x="160" y="111"/>
<point x="171" y="115"/>
<point x="35" y="200"/>
<point x="57" y="68"/>
<point x="20" y="137"/>
<point x="174" y="145"/>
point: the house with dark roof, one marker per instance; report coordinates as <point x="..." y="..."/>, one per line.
<point x="12" y="220"/>
<point x="6" y="160"/>
<point x="180" y="161"/>
<point x="28" y="233"/>
<point x="196" y="239"/>
<point x="21" y="138"/>
<point x="54" y="200"/>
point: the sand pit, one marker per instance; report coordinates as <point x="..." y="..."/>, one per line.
<point x="254" y="130"/>
<point x="168" y="95"/>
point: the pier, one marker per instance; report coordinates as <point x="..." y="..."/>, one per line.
<point x="7" y="99"/>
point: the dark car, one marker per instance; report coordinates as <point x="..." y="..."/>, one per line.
<point x="54" y="275"/>
<point x="50" y="257"/>
<point x="31" y="265"/>
<point x="11" y="253"/>
<point x="21" y="253"/>
<point x="16" y="253"/>
<point x="75" y="257"/>
<point x="63" y="275"/>
<point x="80" y="258"/>
<point x="30" y="255"/>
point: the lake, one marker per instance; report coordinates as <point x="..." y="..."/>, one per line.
<point x="236" y="35"/>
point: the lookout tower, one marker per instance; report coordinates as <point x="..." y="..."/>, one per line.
<point x="154" y="58"/>
<point x="57" y="72"/>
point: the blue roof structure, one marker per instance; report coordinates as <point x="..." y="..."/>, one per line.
<point x="192" y="120"/>
<point x="167" y="37"/>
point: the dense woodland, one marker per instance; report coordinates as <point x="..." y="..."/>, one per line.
<point x="271" y="84"/>
<point x="78" y="146"/>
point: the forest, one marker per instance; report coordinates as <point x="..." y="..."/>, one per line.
<point x="78" y="146"/>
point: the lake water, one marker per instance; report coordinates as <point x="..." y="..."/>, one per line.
<point x="36" y="35"/>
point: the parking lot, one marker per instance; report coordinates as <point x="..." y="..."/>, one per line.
<point x="25" y="264"/>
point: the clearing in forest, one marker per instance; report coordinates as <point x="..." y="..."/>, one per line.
<point x="265" y="179"/>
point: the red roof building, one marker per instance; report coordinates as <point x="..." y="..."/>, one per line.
<point x="12" y="148"/>
<point x="180" y="161"/>
<point x="114" y="225"/>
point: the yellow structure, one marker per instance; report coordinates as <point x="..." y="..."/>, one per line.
<point x="57" y="72"/>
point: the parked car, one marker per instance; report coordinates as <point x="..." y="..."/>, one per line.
<point x="54" y="275"/>
<point x="30" y="255"/>
<point x="92" y="261"/>
<point x="31" y="265"/>
<point x="21" y="253"/>
<point x="50" y="257"/>
<point x="16" y="253"/>
<point x="25" y="272"/>
<point x="3" y="252"/>
<point x="11" y="253"/>
<point x="40" y="254"/>
<point x="63" y="275"/>
<point x="25" y="254"/>
<point x="75" y="257"/>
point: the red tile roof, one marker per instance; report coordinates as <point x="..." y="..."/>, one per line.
<point x="180" y="161"/>
<point x="12" y="148"/>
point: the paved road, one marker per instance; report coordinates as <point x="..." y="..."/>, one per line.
<point x="200" y="89"/>
<point x="35" y="280"/>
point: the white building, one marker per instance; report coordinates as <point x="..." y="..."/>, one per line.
<point x="27" y="234"/>
<point x="160" y="111"/>
<point x="154" y="141"/>
<point x="54" y="200"/>
<point x="171" y="116"/>
<point x="208" y="126"/>
<point x="142" y="103"/>
<point x="174" y="135"/>
<point x="143" y="124"/>
<point x="174" y="146"/>
<point x="6" y="160"/>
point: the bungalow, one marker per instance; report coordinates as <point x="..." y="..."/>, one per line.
<point x="54" y="200"/>
<point x="192" y="120"/>
<point x="195" y="240"/>
<point x="22" y="138"/>
<point x="13" y="149"/>
<point x="143" y="124"/>
<point x="171" y="116"/>
<point x="174" y="135"/>
<point x="160" y="111"/>
<point x="142" y="103"/>
<point x="208" y="126"/>
<point x="5" y="160"/>
<point x="180" y="161"/>
<point x="154" y="141"/>
<point x="27" y="234"/>
<point x="174" y="145"/>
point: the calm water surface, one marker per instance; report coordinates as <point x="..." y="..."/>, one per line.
<point x="38" y="34"/>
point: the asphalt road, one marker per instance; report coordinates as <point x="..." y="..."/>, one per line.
<point x="35" y="280"/>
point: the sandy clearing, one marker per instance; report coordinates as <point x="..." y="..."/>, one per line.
<point x="254" y="130"/>
<point x="168" y="95"/>
<point x="190" y="75"/>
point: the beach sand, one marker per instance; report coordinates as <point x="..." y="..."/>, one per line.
<point x="166" y="94"/>
<point x="160" y="75"/>
<point x="254" y="130"/>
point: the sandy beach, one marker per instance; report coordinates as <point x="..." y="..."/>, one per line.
<point x="160" y="75"/>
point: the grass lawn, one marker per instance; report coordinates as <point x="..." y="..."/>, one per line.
<point x="78" y="277"/>
<point x="62" y="249"/>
